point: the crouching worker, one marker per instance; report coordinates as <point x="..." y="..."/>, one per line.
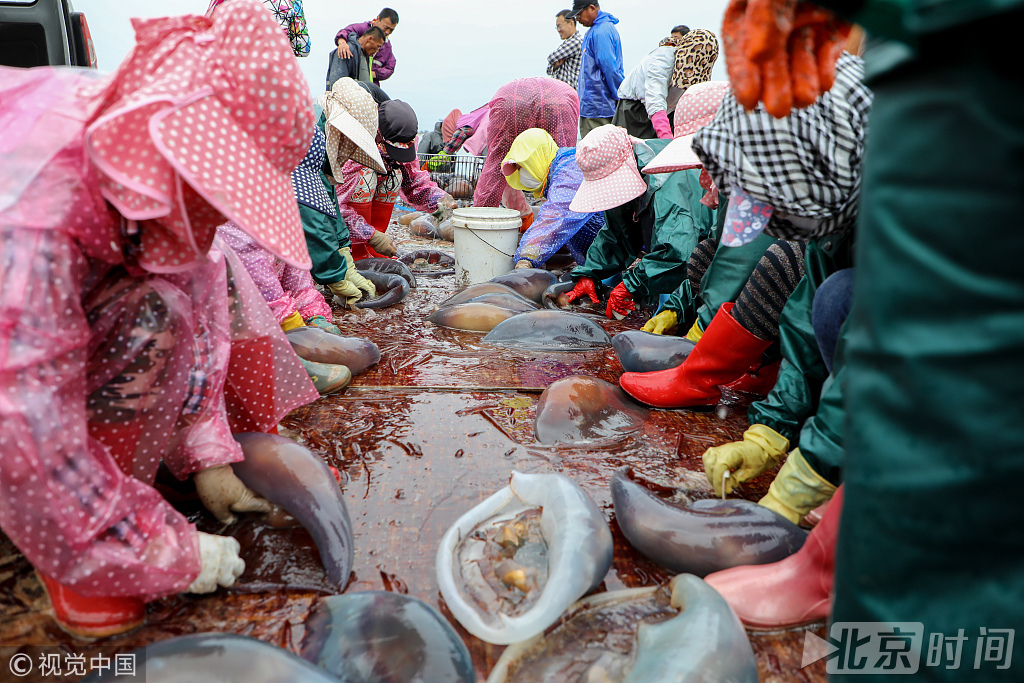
<point x="349" y="124"/>
<point x="366" y="197"/>
<point x="661" y="225"/>
<point x="130" y="338"/>
<point x="536" y="164"/>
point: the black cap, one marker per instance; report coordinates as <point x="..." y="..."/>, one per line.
<point x="579" y="6"/>
<point x="397" y="124"/>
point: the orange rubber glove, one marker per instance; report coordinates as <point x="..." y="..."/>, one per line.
<point x="584" y="286"/>
<point x="781" y="52"/>
<point x="620" y="301"/>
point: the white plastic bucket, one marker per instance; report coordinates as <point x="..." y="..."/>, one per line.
<point x="485" y="243"/>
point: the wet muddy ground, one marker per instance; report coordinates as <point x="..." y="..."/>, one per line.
<point x="435" y="428"/>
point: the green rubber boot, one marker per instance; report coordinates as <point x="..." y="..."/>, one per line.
<point x="327" y="378"/>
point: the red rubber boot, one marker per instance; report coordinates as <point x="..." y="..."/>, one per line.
<point x="93" y="617"/>
<point x="361" y="250"/>
<point x="364" y="209"/>
<point x="757" y="380"/>
<point x="382" y="215"/>
<point x="723" y="355"/>
<point x="793" y="592"/>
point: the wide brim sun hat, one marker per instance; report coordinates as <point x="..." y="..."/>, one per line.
<point x="696" y="108"/>
<point x="199" y="126"/>
<point x="351" y="128"/>
<point x="610" y="175"/>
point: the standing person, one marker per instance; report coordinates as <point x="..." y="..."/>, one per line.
<point x="648" y="96"/>
<point x="358" y="65"/>
<point x="539" y="102"/>
<point x="935" y="336"/>
<point x="467" y="128"/>
<point x="384" y="59"/>
<point x="601" y="70"/>
<point x="564" y="62"/>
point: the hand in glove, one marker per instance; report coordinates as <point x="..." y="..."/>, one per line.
<point x="346" y="291"/>
<point x="663" y="323"/>
<point x="797" y="489"/>
<point x="445" y="206"/>
<point x="222" y="492"/>
<point x="438" y="160"/>
<point x="781" y="52"/>
<point x="584" y="286"/>
<point x="761" y="449"/>
<point x="447" y="202"/>
<point x="220" y="564"/>
<point x="523" y="263"/>
<point x="620" y="302"/>
<point x="382" y="244"/>
<point x="661" y="125"/>
<point x="353" y="276"/>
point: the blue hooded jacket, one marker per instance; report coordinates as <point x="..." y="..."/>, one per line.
<point x="601" y="72"/>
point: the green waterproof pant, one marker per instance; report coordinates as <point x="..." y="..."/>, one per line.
<point x="821" y="437"/>
<point x="794" y="398"/>
<point x="932" y="527"/>
<point x="324" y="236"/>
<point x="724" y="280"/>
<point x="679" y="220"/>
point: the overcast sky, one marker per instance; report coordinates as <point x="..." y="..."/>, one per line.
<point x="449" y="54"/>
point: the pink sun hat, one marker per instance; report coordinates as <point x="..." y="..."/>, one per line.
<point x="610" y="175"/>
<point x="696" y="108"/>
<point x="203" y="123"/>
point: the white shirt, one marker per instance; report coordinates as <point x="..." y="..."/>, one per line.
<point x="648" y="82"/>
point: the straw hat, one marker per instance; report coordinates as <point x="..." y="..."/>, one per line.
<point x="610" y="176"/>
<point x="696" y="108"/>
<point x="204" y="122"/>
<point x="351" y="126"/>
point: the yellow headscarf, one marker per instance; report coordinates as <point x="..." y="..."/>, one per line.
<point x="533" y="151"/>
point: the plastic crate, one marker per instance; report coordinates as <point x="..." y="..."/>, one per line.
<point x="456" y="175"/>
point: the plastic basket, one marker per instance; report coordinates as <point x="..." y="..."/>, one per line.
<point x="456" y="175"/>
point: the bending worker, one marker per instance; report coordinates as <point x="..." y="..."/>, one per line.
<point x="667" y="218"/>
<point x="536" y="164"/>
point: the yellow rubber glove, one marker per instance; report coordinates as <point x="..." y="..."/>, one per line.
<point x="353" y="276"/>
<point x="382" y="244"/>
<point x="665" y="322"/>
<point x="293" y="321"/>
<point x="797" y="489"/>
<point x="695" y="332"/>
<point x="760" y="450"/>
<point x="346" y="291"/>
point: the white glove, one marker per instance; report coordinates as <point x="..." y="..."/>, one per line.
<point x="221" y="565"/>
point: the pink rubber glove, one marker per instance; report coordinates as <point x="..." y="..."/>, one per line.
<point x="661" y="125"/>
<point x="584" y="286"/>
<point x="620" y="301"/>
